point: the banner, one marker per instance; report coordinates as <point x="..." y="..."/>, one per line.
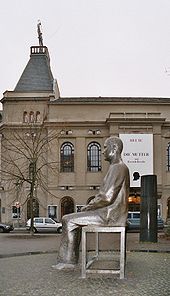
<point x="138" y="155"/>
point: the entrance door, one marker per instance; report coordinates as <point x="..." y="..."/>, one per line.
<point x="67" y="206"/>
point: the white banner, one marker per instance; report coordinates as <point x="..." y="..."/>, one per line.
<point x="138" y="156"/>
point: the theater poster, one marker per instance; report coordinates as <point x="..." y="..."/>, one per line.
<point x="138" y="156"/>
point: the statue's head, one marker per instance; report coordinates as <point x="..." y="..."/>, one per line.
<point x="113" y="147"/>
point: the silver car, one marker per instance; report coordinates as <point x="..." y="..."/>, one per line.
<point x="44" y="224"/>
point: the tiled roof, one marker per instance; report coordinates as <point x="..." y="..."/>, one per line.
<point x="37" y="75"/>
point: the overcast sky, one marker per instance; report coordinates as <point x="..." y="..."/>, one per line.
<point x="97" y="47"/>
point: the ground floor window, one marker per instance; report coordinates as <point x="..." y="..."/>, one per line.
<point x="134" y="202"/>
<point x="159" y="210"/>
<point x="16" y="212"/>
<point x="52" y="212"/>
<point x="78" y="208"/>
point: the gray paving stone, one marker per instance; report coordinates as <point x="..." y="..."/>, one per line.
<point x="146" y="274"/>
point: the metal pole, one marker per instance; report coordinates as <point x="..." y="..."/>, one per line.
<point x="18" y="215"/>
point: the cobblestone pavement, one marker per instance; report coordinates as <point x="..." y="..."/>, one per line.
<point x="146" y="274"/>
<point x="25" y="268"/>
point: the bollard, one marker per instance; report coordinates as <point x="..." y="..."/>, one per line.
<point x="148" y="209"/>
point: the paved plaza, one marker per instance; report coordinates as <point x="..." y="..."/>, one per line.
<point x="147" y="271"/>
<point x="146" y="274"/>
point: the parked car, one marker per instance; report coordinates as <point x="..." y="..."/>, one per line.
<point x="6" y="227"/>
<point x="133" y="221"/>
<point x="44" y="224"/>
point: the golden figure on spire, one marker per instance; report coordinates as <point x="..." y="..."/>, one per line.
<point x="39" y="33"/>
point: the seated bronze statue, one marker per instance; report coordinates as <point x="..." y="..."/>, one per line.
<point x="108" y="207"/>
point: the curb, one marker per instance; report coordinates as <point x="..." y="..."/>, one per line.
<point x="26" y="254"/>
<point x="55" y="252"/>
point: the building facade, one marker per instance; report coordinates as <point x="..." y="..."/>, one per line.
<point x="83" y="124"/>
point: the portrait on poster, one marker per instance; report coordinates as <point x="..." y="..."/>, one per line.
<point x="138" y="156"/>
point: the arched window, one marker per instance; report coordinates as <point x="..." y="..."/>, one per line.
<point x="25" y="117"/>
<point x="168" y="157"/>
<point x="94" y="157"/>
<point x="31" y="116"/>
<point x="37" y="116"/>
<point x="67" y="157"/>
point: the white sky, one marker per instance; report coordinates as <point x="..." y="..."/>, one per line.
<point x="97" y="47"/>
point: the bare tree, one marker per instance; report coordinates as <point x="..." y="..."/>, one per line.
<point x="26" y="158"/>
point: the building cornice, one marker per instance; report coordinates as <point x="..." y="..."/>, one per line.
<point x="11" y="96"/>
<point x="109" y="100"/>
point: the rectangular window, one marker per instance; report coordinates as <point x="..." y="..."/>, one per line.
<point x="168" y="157"/>
<point x="52" y="212"/>
<point x="16" y="212"/>
<point x="78" y="208"/>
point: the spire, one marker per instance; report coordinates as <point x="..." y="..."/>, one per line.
<point x="37" y="75"/>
